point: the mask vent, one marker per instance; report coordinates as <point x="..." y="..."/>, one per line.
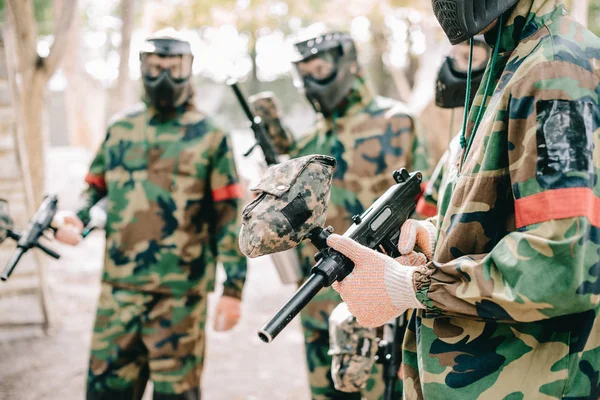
<point x="447" y="14"/>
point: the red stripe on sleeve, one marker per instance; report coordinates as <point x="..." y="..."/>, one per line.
<point x="558" y="204"/>
<point x="426" y="209"/>
<point x="233" y="191"/>
<point x="96" y="181"/>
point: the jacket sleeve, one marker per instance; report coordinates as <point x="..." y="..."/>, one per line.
<point x="226" y="194"/>
<point x="549" y="266"/>
<point x="96" y="187"/>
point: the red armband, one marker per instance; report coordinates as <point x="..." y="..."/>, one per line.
<point x="558" y="204"/>
<point x="233" y="191"/>
<point x="96" y="180"/>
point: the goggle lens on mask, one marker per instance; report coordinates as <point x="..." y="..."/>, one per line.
<point x="178" y="67"/>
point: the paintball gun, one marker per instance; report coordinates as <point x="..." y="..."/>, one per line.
<point x="389" y="354"/>
<point x="262" y="138"/>
<point x="377" y="228"/>
<point x="286" y="263"/>
<point x="30" y="237"/>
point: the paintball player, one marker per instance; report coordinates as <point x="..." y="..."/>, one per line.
<point x="370" y="137"/>
<point x="450" y="93"/>
<point x="173" y="201"/>
<point x="508" y="307"/>
<point x="351" y="357"/>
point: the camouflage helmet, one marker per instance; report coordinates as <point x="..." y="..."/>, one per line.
<point x="291" y="201"/>
<point x="6" y="223"/>
<point x="353" y="349"/>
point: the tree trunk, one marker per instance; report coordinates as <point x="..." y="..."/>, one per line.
<point x="124" y="94"/>
<point x="579" y="10"/>
<point x="32" y="74"/>
<point x="84" y="116"/>
<point x="254" y="84"/>
<point x="35" y="142"/>
<point x="378" y="78"/>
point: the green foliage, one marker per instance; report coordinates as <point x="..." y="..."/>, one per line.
<point x="42" y="10"/>
<point x="594" y="20"/>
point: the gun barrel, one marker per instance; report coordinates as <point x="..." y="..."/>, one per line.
<point x="242" y="100"/>
<point x="301" y="298"/>
<point x="12" y="263"/>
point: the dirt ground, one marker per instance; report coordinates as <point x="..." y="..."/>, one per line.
<point x="54" y="366"/>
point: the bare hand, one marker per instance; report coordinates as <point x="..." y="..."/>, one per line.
<point x="69" y="228"/>
<point x="227" y="313"/>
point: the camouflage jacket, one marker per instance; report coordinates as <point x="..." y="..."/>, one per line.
<point x="434" y="190"/>
<point x="513" y="294"/>
<point x="173" y="203"/>
<point x="370" y="137"/>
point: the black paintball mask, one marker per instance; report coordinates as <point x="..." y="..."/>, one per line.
<point x="463" y="19"/>
<point x="325" y="68"/>
<point x="166" y="64"/>
<point x="451" y="85"/>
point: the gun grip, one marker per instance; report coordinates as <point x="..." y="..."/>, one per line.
<point x="47" y="250"/>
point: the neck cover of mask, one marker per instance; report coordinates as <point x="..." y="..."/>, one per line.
<point x="451" y="85"/>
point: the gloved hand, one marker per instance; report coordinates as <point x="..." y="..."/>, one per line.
<point x="69" y="228"/>
<point x="420" y="233"/>
<point x="227" y="313"/>
<point x="379" y="288"/>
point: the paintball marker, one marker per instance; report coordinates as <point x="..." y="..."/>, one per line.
<point x="389" y="354"/>
<point x="262" y="138"/>
<point x="30" y="237"/>
<point x="377" y="228"/>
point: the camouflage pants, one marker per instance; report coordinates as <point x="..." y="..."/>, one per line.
<point x="315" y="323"/>
<point x="141" y="335"/>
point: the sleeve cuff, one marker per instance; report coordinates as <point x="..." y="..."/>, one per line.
<point x="231" y="291"/>
<point x="399" y="285"/>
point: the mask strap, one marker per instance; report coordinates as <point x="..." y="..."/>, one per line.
<point x="486" y="93"/>
<point x="452" y="131"/>
<point x="463" y="140"/>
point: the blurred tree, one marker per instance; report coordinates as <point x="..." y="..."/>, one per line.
<point x="34" y="71"/>
<point x="127" y="14"/>
<point x="579" y="10"/>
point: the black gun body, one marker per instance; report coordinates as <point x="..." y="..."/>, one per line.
<point x="377" y="228"/>
<point x="29" y="239"/>
<point x="262" y="138"/>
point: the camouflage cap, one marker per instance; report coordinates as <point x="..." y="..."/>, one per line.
<point x="292" y="200"/>
<point x="6" y="223"/>
<point x="353" y="348"/>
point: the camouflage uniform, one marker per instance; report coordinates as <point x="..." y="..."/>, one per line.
<point x="369" y="137"/>
<point x="433" y="193"/>
<point x="513" y="294"/>
<point x="173" y="200"/>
